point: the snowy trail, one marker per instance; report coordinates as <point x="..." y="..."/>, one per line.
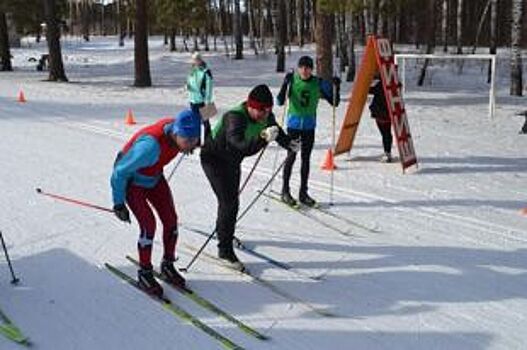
<point x="446" y="269"/>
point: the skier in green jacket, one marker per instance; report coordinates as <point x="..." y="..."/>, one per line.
<point x="304" y="90"/>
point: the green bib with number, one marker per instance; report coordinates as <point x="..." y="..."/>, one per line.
<point x="303" y="96"/>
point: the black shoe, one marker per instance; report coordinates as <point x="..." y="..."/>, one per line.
<point x="288" y="199"/>
<point x="148" y="282"/>
<point x="172" y="275"/>
<point x="386" y="158"/>
<point x="230" y="257"/>
<point x="306" y="200"/>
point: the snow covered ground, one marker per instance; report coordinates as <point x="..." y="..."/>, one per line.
<point x="445" y="268"/>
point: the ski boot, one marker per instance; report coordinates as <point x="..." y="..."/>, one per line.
<point x="288" y="199"/>
<point x="305" y="199"/>
<point x="170" y="274"/>
<point x="148" y="282"/>
<point x="229" y="257"/>
<point x="386" y="158"/>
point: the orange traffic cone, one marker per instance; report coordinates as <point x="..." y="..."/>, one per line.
<point x="129" y="119"/>
<point x="21" y="97"/>
<point x="329" y="163"/>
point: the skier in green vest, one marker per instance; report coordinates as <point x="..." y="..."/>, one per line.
<point x="304" y="90"/>
<point x="239" y="133"/>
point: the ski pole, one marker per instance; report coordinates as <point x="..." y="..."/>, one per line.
<point x="180" y="160"/>
<point x="282" y="120"/>
<point x="246" y="181"/>
<point x="14" y="279"/>
<point x="74" y="201"/>
<point x="333" y="123"/>
<point x="246" y="210"/>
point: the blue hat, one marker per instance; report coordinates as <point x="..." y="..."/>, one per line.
<point x="187" y="124"/>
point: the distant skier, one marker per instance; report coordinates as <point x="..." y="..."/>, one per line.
<point x="239" y="133"/>
<point x="304" y="90"/>
<point x="200" y="85"/>
<point x="138" y="180"/>
<point x="379" y="112"/>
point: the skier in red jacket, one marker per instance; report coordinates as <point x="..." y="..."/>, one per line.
<point x="138" y="180"/>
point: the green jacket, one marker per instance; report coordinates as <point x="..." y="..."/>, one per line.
<point x="236" y="136"/>
<point x="200" y="85"/>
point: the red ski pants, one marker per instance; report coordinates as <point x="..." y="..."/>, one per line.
<point x="141" y="200"/>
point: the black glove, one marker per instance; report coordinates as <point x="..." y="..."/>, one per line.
<point x="122" y="213"/>
<point x="336" y="81"/>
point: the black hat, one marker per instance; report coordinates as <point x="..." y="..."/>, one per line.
<point x="305" y="61"/>
<point x="260" y="97"/>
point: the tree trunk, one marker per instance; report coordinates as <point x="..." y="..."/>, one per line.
<point x="493" y="26"/>
<point x="459" y="38"/>
<point x="238" y="30"/>
<point x="289" y="24"/>
<point x="312" y="20"/>
<point x="263" y="31"/>
<point x="173" y="40"/>
<point x="5" y="54"/>
<point x="142" y="64"/>
<point x="252" y="26"/>
<point x="324" y="50"/>
<point x="223" y="26"/>
<point x="85" y="20"/>
<point x="516" y="58"/>
<point x="195" y="41"/>
<point x="56" y="67"/>
<point x="480" y="25"/>
<point x="281" y="36"/>
<point x="444" y="26"/>
<point x="493" y="34"/>
<point x="273" y="6"/>
<point x="352" y="66"/>
<point x="120" y="33"/>
<point x="381" y="28"/>
<point x="367" y="22"/>
<point x="430" y="39"/>
<point x="340" y="23"/>
<point x="300" y="22"/>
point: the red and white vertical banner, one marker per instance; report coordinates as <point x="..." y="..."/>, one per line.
<point x="394" y="101"/>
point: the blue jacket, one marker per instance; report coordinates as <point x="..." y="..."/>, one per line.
<point x="144" y="152"/>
